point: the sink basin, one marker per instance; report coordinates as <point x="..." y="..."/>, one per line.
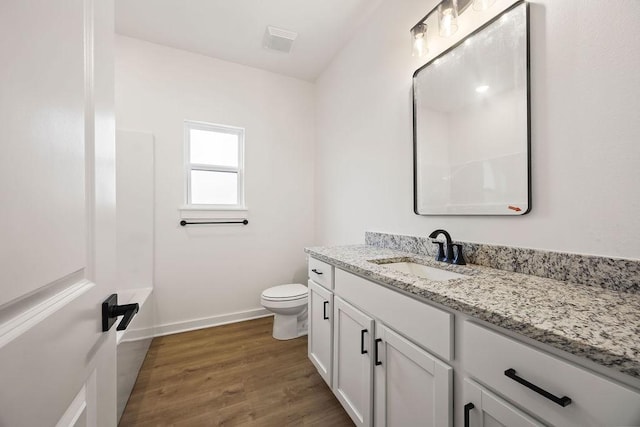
<point x="424" y="271"/>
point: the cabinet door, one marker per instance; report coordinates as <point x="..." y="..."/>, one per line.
<point x="412" y="388"/>
<point x="320" y="342"/>
<point x="484" y="409"/>
<point x="352" y="368"/>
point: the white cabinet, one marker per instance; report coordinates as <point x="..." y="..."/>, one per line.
<point x="484" y="409"/>
<point x="427" y="326"/>
<point x="320" y="341"/>
<point x="352" y="368"/>
<point x="556" y="391"/>
<point x="321" y="273"/>
<point x="396" y="346"/>
<point x="412" y="388"/>
<point x="320" y="312"/>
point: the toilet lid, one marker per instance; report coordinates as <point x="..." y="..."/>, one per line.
<point x="281" y="292"/>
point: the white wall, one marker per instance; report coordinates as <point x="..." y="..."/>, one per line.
<point x="135" y="209"/>
<point x="585" y="130"/>
<point x="208" y="271"/>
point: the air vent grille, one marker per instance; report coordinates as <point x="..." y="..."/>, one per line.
<point x="279" y="39"/>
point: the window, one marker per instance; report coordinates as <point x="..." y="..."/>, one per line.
<point x="214" y="156"/>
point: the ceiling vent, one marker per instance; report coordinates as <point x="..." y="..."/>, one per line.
<point x="279" y="39"/>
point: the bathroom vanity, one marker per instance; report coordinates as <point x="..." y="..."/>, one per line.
<point x="492" y="347"/>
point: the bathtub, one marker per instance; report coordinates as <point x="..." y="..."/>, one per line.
<point x="133" y="343"/>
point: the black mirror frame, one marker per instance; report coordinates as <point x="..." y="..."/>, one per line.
<point x="528" y="75"/>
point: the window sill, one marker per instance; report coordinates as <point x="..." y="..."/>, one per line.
<point x="213" y="212"/>
<point x="212" y="208"/>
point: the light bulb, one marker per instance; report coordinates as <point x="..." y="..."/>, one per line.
<point x="482" y="89"/>
<point x="419" y="47"/>
<point x="448" y="17"/>
<point x="419" y="40"/>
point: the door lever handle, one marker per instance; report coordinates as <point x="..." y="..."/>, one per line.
<point x="111" y="310"/>
<point x="128" y="310"/>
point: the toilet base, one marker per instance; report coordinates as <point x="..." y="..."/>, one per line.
<point x="287" y="327"/>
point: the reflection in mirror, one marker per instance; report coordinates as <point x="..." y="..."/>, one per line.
<point x="471" y="123"/>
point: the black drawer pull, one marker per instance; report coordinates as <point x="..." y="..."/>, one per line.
<point x="316" y="271"/>
<point x="378" y="362"/>
<point x="362" y="349"/>
<point x="467" y="416"/>
<point x="324" y="310"/>
<point x="562" y="401"/>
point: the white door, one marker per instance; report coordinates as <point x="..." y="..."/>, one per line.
<point x="57" y="216"/>
<point x="320" y="343"/>
<point x="411" y="387"/>
<point x="353" y="361"/>
<point x="484" y="409"/>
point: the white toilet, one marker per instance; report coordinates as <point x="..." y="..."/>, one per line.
<point x="289" y="303"/>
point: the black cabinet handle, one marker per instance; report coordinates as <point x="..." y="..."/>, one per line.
<point x="467" y="416"/>
<point x="324" y="310"/>
<point x="562" y="401"/>
<point x="362" y="349"/>
<point x="316" y="271"/>
<point x="378" y="362"/>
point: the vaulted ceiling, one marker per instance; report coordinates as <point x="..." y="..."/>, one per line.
<point x="233" y="30"/>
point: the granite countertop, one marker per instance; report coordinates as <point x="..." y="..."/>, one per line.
<point x="602" y="325"/>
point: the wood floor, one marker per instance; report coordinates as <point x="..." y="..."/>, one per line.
<point x="232" y="375"/>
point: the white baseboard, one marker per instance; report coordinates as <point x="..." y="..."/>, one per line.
<point x="207" y="322"/>
<point x="137" y="335"/>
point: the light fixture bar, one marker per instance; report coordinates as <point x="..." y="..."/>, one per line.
<point x="462" y="6"/>
<point x="447" y="24"/>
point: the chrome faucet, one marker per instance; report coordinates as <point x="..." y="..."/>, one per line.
<point x="458" y="259"/>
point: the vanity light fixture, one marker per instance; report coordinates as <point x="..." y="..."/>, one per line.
<point x="448" y="12"/>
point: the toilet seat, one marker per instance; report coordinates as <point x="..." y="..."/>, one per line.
<point x="290" y="292"/>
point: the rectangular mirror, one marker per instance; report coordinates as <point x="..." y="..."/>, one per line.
<point x="471" y="123"/>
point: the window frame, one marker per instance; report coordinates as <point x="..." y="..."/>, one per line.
<point x="189" y="167"/>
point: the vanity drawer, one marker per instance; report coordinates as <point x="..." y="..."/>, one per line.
<point x="423" y="324"/>
<point x="321" y="273"/>
<point x="595" y="400"/>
